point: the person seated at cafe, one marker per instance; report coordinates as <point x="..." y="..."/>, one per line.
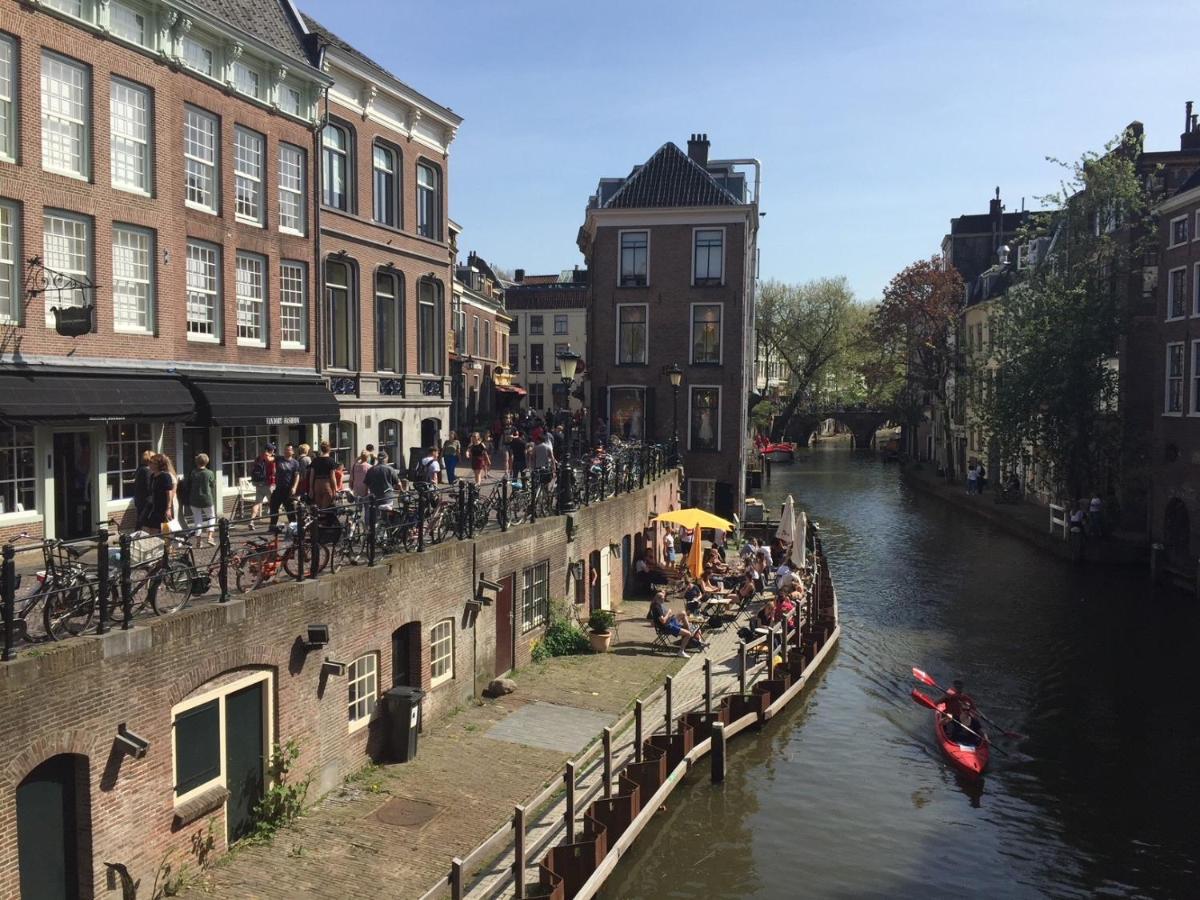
<point x="693" y="595"/>
<point x="711" y="583"/>
<point x="649" y="573"/>
<point x="713" y="561"/>
<point x="786" y="580"/>
<point x="764" y="618"/>
<point x="675" y="624"/>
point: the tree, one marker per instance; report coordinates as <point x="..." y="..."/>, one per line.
<point x="913" y="332"/>
<point x="806" y="327"/>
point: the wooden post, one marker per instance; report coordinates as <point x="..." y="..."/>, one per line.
<point x="771" y="654"/>
<point x="637" y="731"/>
<point x="569" y="775"/>
<point x="783" y="643"/>
<point x="519" y="852"/>
<point x="608" y="770"/>
<point x="741" y="667"/>
<point x="456" y="878"/>
<point x="718" y="752"/>
<point x="667" y="688"/>
<point x="708" y="694"/>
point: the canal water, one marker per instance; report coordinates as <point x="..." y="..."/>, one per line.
<point x="846" y="795"/>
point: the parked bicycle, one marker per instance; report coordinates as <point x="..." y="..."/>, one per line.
<point x="259" y="559"/>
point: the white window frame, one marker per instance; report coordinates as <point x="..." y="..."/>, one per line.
<point x="144" y="143"/>
<point x="620" y="254"/>
<point x="212" y="165"/>
<point x="12" y="478"/>
<point x="214" y="294"/>
<point x="245" y="79"/>
<point x="9" y="108"/>
<point x="566" y="323"/>
<point x="1196" y="227"/>
<point x="692" y="388"/>
<point x="1194" y="400"/>
<point x="645" y="349"/>
<point x="1171" y="293"/>
<point x="695" y="237"/>
<point x="248" y="174"/>
<point x="1171" y="242"/>
<point x="288" y="269"/>
<point x="1195" y="289"/>
<point x="83" y="122"/>
<point x="608" y="407"/>
<point x="692" y="335"/>
<point x="441" y="651"/>
<point x="66" y="7"/>
<point x="693" y="483"/>
<point x="192" y="56"/>
<point x="146" y="280"/>
<point x="82" y="274"/>
<point x="288" y="92"/>
<point x="10" y="262"/>
<point x="291" y="178"/>
<point x="125" y="441"/>
<point x="1182" y="376"/>
<point x="529" y="596"/>
<point x="361" y="709"/>
<point x="115" y="7"/>
<point x="220" y="694"/>
<point x="247" y="302"/>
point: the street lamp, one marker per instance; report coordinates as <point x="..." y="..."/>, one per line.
<point x="676" y="375"/>
<point x="568" y="362"/>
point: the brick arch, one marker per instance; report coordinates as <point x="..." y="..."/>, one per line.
<point x="205" y="670"/>
<point x="73" y="742"/>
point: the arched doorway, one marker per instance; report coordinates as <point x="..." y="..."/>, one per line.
<point x="1177" y="534"/>
<point x="53" y="827"/>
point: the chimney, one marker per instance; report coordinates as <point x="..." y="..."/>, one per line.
<point x="519" y="276"/>
<point x="996" y="208"/>
<point x="1190" y="139"/>
<point x="698" y="148"/>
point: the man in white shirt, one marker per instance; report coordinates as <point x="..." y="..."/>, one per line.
<point x="429" y="469"/>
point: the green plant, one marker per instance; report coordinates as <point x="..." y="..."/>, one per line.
<point x="283" y="801"/>
<point x="561" y="639"/>
<point x="601" y="621"/>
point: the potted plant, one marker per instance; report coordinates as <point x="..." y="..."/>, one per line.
<point x="600" y="624"/>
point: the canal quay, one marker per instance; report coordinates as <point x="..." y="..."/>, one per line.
<point x="846" y="795"/>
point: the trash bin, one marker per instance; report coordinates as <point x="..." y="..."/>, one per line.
<point x="403" y="707"/>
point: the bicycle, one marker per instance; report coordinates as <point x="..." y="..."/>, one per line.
<point x="259" y="559"/>
<point x="60" y="585"/>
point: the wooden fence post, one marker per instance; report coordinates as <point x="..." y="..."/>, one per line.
<point x="519" y="852"/>
<point x="569" y="775"/>
<point x="741" y="667"/>
<point x="718" y="752"/>
<point x="708" y="694"/>
<point x="667" y="688"/>
<point x="456" y="878"/>
<point x="637" y="731"/>
<point x="608" y="771"/>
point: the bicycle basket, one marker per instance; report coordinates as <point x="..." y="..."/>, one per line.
<point x="144" y="548"/>
<point x="329" y="534"/>
<point x="201" y="583"/>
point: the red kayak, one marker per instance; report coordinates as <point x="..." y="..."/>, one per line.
<point x="970" y="758"/>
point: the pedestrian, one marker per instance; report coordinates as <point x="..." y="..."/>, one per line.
<point x="382" y="480"/>
<point x="543" y="456"/>
<point x="481" y="460"/>
<point x="429" y="469"/>
<point x="601" y="431"/>
<point x="972" y="479"/>
<point x="496" y="430"/>
<point x="1095" y="517"/>
<point x="371" y="457"/>
<point x="143" y="480"/>
<point x="321" y="477"/>
<point x="451" y="449"/>
<point x="358" y="473"/>
<point x="304" y="458"/>
<point x="287" y="484"/>
<point x="517" y="450"/>
<point x="685" y="542"/>
<point x="162" y="492"/>
<point x="262" y="476"/>
<point x="669" y="547"/>
<point x="202" y="498"/>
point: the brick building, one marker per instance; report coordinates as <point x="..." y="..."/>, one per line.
<point x="549" y="314"/>
<point x="156" y="246"/>
<point x="671" y="253"/>
<point x="480" y="348"/>
<point x="385" y="251"/>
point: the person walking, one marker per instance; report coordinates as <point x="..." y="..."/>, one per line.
<point x="517" y="450"/>
<point x="162" y="492"/>
<point x="262" y="476"/>
<point x="451" y="449"/>
<point x="321" y="477"/>
<point x="143" y="481"/>
<point x="358" y="474"/>
<point x="429" y="469"/>
<point x="202" y="498"/>
<point x="304" y="458"/>
<point x="481" y="460"/>
<point x="287" y="484"/>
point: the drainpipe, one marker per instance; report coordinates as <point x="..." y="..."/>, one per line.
<point x="318" y="262"/>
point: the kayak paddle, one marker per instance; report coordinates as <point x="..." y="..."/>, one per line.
<point x="928" y="701"/>
<point x="925" y="678"/>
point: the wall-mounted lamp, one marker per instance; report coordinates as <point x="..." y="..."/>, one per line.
<point x="615" y="550"/>
<point x="577" y="570"/>
<point x="316" y="637"/>
<point x="333" y="667"/>
<point x="486" y="592"/>
<point x="129" y="743"/>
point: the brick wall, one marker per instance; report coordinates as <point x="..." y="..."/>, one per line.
<point x="71" y="697"/>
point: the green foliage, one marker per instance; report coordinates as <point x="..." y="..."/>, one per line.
<point x="762" y="414"/>
<point x="283" y="800"/>
<point x="601" y="620"/>
<point x="562" y="638"/>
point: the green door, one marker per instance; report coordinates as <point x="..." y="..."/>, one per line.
<point x="47" y="840"/>
<point x="245" y="760"/>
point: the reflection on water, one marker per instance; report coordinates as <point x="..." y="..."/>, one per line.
<point x="846" y="795"/>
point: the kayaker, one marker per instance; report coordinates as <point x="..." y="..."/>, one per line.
<point x="960" y="707"/>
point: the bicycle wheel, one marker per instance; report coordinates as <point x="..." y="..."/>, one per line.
<point x="69" y="607"/>
<point x="171" y="587"/>
<point x="139" y="580"/>
<point x="352" y="548"/>
<point x="249" y="568"/>
<point x="291" y="559"/>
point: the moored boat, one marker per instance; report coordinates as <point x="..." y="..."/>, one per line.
<point x="970" y="758"/>
<point x="779" y="453"/>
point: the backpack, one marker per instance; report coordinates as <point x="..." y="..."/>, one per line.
<point x="183" y="490"/>
<point x="421" y="475"/>
<point x="258" y="471"/>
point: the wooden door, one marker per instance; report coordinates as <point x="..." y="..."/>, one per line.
<point x="47" y="836"/>
<point x="504" y="626"/>
<point x="245" y="757"/>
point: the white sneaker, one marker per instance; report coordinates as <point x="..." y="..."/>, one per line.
<point x="684" y="654"/>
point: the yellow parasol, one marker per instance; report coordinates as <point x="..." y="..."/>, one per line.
<point x="695" y="518"/>
<point x="695" y="559"/>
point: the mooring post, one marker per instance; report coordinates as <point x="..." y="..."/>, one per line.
<point x="667" y="689"/>
<point x="783" y="642"/>
<point x="637" y="731"/>
<point x="608" y="772"/>
<point x="718" y="752"/>
<point x="519" y="852"/>
<point x="456" y="878"/>
<point x="569" y="775"/>
<point x="708" y="695"/>
<point x="741" y="667"/>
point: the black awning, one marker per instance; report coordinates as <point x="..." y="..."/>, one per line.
<point x="279" y="401"/>
<point x="36" y="396"/>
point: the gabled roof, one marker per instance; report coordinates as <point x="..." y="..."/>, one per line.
<point x="670" y="178"/>
<point x="268" y="20"/>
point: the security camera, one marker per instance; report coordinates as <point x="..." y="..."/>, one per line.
<point x="333" y="667"/>
<point x="133" y="744"/>
<point x="316" y="637"/>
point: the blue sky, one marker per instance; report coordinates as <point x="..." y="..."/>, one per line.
<point x="876" y="122"/>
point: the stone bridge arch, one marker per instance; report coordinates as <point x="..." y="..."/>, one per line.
<point x="862" y="424"/>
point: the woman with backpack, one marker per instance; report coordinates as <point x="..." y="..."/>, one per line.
<point x="202" y="498"/>
<point x="481" y="460"/>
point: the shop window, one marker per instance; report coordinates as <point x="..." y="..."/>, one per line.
<point x="124" y="444"/>
<point x="18" y="470"/>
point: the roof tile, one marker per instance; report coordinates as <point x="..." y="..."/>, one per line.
<point x="670" y="178"/>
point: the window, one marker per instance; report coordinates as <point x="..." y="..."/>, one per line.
<point x="706" y="334"/>
<point x="1179" y="231"/>
<point x="709" y="256"/>
<point x="10" y="252"/>
<point x="1196" y="290"/>
<point x="535" y="594"/>
<point x="516" y="325"/>
<point x="560" y="324"/>
<point x="339" y="317"/>
<point x="535" y="325"/>
<point x="627" y="412"/>
<point x="70" y="7"/>
<point x="1174" y="397"/>
<point x="251" y="300"/>
<point x="635" y="254"/>
<point x="66" y="248"/>
<point x="487" y="341"/>
<point x="537" y="395"/>
<point x="129" y="107"/>
<point x="203" y="286"/>
<point x="702" y="493"/>
<point x="429" y="202"/>
<point x="247" y="80"/>
<point x="64" y="116"/>
<point x="429" y="326"/>
<point x="247" y="166"/>
<point x="8" y="112"/>
<point x="705" y="419"/>
<point x="343" y="441"/>
<point x="200" y="157"/>
<point x="514" y="358"/>
<point x="460" y="330"/>
<point x="1195" y="377"/>
<point x="1176" y="289"/>
<point x="290" y="100"/>
<point x="389" y="323"/>
<point x="197" y="747"/>
<point x="536" y="358"/>
<point x="390" y="439"/>
<point x="126" y="22"/>
<point x="386" y="188"/>
<point x="475" y="335"/>
<point x="291" y="189"/>
<point x="123" y="447"/>
<point x="335" y="155"/>
<point x="293" y="305"/>
<point x="363" y="684"/>
<point x="133" y="273"/>
<point x="559" y="348"/>
<point x="18" y="470"/>
<point x="240" y="446"/>
<point x="197" y="57"/>
<point x="441" y="652"/>
<point x="631" y="333"/>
